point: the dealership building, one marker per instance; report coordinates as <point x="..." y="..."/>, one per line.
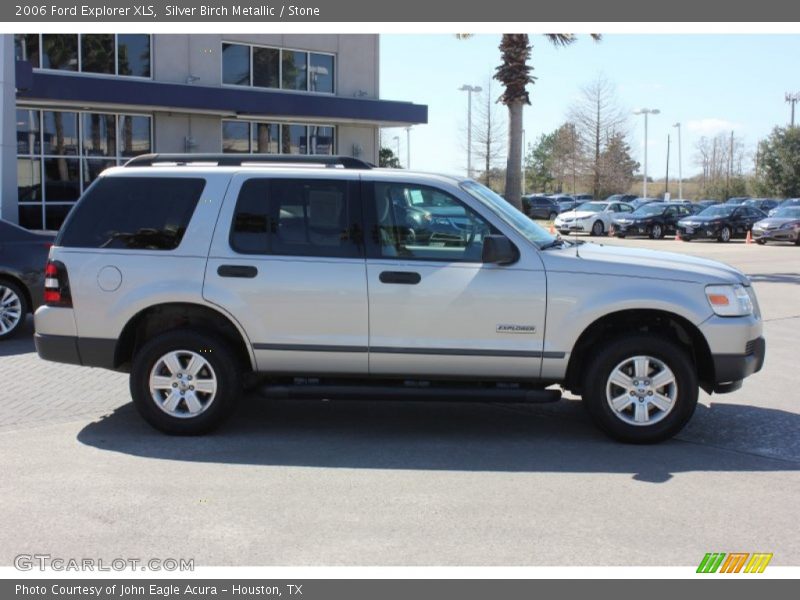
<point x="75" y="104"/>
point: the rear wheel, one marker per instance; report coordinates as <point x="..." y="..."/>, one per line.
<point x="185" y="383"/>
<point x="13" y="308"/>
<point x="597" y="228"/>
<point x="724" y="235"/>
<point x="552" y="216"/>
<point x="640" y="388"/>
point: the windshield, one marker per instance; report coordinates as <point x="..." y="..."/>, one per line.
<point x="591" y="207"/>
<point x="788" y="212"/>
<point x="648" y="210"/>
<point x="718" y="211"/>
<point x="503" y="209"/>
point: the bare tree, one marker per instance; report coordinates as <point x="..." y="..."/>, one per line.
<point x="722" y="159"/>
<point x="488" y="133"/>
<point x="598" y="117"/>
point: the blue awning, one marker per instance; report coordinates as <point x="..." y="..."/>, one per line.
<point x="75" y="88"/>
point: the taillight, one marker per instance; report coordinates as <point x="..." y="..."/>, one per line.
<point x="56" y="285"/>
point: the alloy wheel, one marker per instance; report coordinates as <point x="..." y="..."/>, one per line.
<point x="641" y="390"/>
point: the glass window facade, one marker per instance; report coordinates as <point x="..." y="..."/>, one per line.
<point x="60" y="153"/>
<point x="276" y="138"/>
<point x="124" y="54"/>
<point x="133" y="54"/>
<point x="320" y="73"/>
<point x="278" y="68"/>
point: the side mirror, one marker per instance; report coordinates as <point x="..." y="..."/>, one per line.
<point x="498" y="249"/>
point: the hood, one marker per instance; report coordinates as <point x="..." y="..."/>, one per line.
<point x="640" y="262"/>
<point x="577" y="214"/>
<point x="773" y="222"/>
<point x="701" y="219"/>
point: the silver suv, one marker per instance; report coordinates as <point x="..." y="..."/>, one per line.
<point x="321" y="277"/>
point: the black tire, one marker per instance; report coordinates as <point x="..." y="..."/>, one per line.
<point x="552" y="216"/>
<point x="612" y="353"/>
<point x="16" y="319"/>
<point x="761" y="242"/>
<point x="218" y="354"/>
<point x="620" y="235"/>
<point x="724" y="234"/>
<point x="656" y="232"/>
<point x="686" y="238"/>
<point x="597" y="230"/>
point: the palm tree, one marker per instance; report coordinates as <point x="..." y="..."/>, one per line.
<point x="515" y="75"/>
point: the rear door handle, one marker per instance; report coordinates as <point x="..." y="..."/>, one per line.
<point x="401" y="277"/>
<point x="245" y="271"/>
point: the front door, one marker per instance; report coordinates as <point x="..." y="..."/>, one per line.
<point x="435" y="308"/>
<point x="287" y="262"/>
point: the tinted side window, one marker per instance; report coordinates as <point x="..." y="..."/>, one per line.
<point x="288" y="217"/>
<point x="440" y="228"/>
<point x="135" y="213"/>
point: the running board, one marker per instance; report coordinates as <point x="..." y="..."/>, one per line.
<point x="387" y="392"/>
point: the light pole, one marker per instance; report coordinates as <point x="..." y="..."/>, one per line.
<point x="397" y="143"/>
<point x="646" y="112"/>
<point x="523" y="162"/>
<point x="408" y="147"/>
<point x="470" y="89"/>
<point x="680" y="162"/>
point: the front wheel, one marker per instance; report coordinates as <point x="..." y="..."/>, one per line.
<point x="656" y="232"/>
<point x="597" y="228"/>
<point x="185" y="382"/>
<point x="761" y="242"/>
<point x="724" y="235"/>
<point x="640" y="388"/>
<point x="552" y="216"/>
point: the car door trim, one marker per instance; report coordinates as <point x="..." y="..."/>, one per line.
<point x="401" y="350"/>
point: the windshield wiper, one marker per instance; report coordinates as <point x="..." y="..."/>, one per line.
<point x="556" y="243"/>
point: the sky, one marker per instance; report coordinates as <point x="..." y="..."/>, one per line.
<point x="710" y="83"/>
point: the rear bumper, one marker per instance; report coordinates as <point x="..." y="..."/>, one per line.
<point x="89" y="352"/>
<point x="731" y="369"/>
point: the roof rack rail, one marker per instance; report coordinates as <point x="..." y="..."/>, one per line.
<point x="236" y="160"/>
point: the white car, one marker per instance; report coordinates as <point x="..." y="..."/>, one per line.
<point x="594" y="218"/>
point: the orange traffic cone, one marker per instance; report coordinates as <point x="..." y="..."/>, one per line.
<point x="552" y="229"/>
<point x="611" y="230"/>
<point x="677" y="236"/>
<point x="749" y="238"/>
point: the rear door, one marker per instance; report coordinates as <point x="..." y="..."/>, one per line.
<point x="287" y="262"/>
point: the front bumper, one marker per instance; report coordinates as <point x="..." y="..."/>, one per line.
<point x="630" y="229"/>
<point x="699" y="232"/>
<point x="777" y="235"/>
<point x="731" y="369"/>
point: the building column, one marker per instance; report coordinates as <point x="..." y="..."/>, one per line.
<point x="8" y="131"/>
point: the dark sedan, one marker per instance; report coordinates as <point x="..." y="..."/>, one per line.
<point x="541" y="207"/>
<point x="23" y="256"/>
<point x="783" y="226"/>
<point x="763" y="204"/>
<point x="654" y="219"/>
<point x="721" y="223"/>
<point x="785" y="204"/>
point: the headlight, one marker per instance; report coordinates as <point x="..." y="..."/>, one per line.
<point x="788" y="225"/>
<point x="729" y="300"/>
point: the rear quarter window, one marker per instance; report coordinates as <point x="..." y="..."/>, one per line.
<point x="133" y="213"/>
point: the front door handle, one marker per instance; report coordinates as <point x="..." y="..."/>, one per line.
<point x="245" y="271"/>
<point x="401" y="277"/>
